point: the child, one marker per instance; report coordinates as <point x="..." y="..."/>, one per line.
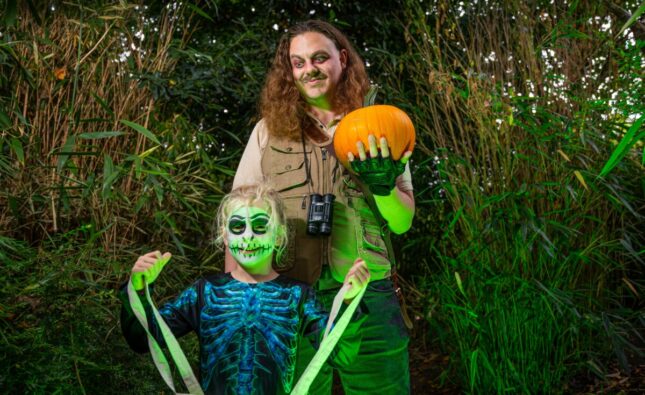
<point x="248" y="321"/>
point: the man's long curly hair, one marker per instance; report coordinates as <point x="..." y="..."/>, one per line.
<point x="282" y="106"/>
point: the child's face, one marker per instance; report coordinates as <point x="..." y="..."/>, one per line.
<point x="250" y="237"/>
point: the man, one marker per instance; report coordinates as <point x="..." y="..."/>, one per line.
<point x="315" y="79"/>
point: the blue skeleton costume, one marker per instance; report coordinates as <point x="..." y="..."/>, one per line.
<point x="248" y="332"/>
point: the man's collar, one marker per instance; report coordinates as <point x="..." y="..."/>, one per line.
<point x="324" y="128"/>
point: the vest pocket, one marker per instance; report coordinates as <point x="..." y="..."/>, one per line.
<point x="372" y="239"/>
<point x="290" y="172"/>
<point x="373" y="249"/>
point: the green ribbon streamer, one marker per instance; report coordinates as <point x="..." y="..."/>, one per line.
<point x="158" y="356"/>
<point x="329" y="339"/>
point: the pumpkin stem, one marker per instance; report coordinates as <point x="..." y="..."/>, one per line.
<point x="370" y="97"/>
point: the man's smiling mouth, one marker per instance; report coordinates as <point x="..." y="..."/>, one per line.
<point x="313" y="80"/>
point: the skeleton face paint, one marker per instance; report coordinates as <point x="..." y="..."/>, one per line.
<point x="251" y="237"/>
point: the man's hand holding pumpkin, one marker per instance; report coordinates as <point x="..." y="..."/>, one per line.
<point x="379" y="171"/>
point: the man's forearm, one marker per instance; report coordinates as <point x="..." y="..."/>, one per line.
<point x="397" y="209"/>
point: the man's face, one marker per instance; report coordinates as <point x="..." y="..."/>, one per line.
<point x="316" y="65"/>
<point x="251" y="238"/>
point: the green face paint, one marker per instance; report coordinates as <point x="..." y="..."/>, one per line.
<point x="251" y="237"/>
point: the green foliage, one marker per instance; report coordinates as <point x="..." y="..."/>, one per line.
<point x="526" y="246"/>
<point x="532" y="274"/>
<point x="59" y="317"/>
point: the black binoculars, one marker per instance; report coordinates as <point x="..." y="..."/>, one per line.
<point x="321" y="209"/>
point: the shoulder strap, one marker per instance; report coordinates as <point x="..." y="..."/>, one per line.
<point x="385" y="230"/>
<point x="386" y="233"/>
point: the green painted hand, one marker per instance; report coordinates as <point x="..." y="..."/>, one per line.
<point x="148" y="266"/>
<point x="379" y="171"/>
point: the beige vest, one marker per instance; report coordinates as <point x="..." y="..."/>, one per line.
<point x="356" y="230"/>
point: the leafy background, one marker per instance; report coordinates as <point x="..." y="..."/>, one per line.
<point x="122" y="124"/>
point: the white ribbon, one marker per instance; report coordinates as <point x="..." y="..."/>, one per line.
<point x="330" y="338"/>
<point x="158" y="356"/>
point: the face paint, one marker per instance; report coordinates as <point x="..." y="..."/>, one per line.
<point x="251" y="237"/>
<point x="316" y="65"/>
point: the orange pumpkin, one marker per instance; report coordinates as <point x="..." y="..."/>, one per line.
<point x="379" y="120"/>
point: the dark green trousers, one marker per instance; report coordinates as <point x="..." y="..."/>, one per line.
<point x="381" y="366"/>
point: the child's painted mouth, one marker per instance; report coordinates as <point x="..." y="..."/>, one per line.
<point x="249" y="251"/>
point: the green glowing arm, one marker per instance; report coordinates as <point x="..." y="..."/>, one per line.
<point x="397" y="209"/>
<point x="148" y="266"/>
<point x="379" y="171"/>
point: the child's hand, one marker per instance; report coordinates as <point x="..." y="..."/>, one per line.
<point x="358" y="276"/>
<point x="148" y="266"/>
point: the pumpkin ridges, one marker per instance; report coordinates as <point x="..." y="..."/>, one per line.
<point x="379" y="120"/>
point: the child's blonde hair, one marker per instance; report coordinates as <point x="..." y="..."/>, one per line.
<point x="249" y="195"/>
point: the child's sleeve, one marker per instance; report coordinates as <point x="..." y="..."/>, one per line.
<point x="181" y="315"/>
<point x="315" y="320"/>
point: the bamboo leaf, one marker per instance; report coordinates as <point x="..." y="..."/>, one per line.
<point x="147" y="152"/>
<point x="145" y="132"/>
<point x="459" y="284"/>
<point x="631" y="287"/>
<point x="100" y="135"/>
<point x="10" y="13"/>
<point x="465" y="310"/>
<point x="199" y="11"/>
<point x="370" y="97"/>
<point x="103" y="103"/>
<point x="16" y="145"/>
<point x="454" y="221"/>
<point x="564" y="155"/>
<point x="634" y="17"/>
<point x="581" y="179"/>
<point x="34" y="12"/>
<point x="67" y="148"/>
<point x="623" y="147"/>
<point x="473" y="369"/>
<point x="110" y="174"/>
<point x="5" y="121"/>
<point x="110" y="17"/>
